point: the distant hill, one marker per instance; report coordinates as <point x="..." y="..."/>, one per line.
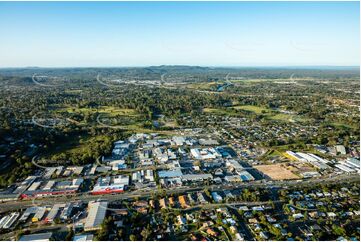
<point x="154" y="72"/>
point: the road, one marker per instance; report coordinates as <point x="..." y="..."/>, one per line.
<point x="86" y="197"/>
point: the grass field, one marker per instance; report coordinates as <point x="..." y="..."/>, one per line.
<point x="252" y="108"/>
<point x="285" y="117"/>
<point x="268" y="113"/>
<point x="344" y="125"/>
<point x="202" y="85"/>
<point x="221" y="111"/>
<point x="271" y="154"/>
<point x="106" y="110"/>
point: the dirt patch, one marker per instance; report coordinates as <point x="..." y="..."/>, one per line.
<point x="277" y="171"/>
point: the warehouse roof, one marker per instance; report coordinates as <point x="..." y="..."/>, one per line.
<point x="37" y="237"/>
<point x="96" y="215"/>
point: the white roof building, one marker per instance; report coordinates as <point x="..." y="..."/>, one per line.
<point x="205" y="154"/>
<point x="121" y="180"/>
<point x="340" y="149"/>
<point x="96" y="215"/>
<point x="149" y="175"/>
<point x="178" y="140"/>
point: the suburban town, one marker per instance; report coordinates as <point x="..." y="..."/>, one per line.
<point x="194" y="186"/>
<point x="180" y="120"/>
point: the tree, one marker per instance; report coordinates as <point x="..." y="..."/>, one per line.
<point x="146" y="232"/>
<point x="70" y="235"/>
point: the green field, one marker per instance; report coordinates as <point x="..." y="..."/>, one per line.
<point x="106" y="110"/>
<point x="268" y="113"/>
<point x="255" y="109"/>
<point x="202" y="85"/>
<point x="221" y="111"/>
<point x="347" y="126"/>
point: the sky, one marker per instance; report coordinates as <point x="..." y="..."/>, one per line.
<point x="110" y="34"/>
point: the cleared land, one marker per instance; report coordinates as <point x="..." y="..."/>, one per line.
<point x="276" y="172"/>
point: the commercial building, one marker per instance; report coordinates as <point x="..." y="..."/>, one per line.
<point x="232" y="178"/>
<point x="27" y="213"/>
<point x="96" y="215"/>
<point x="292" y="155"/>
<point x="40" y="212"/>
<point x="208" y="142"/>
<point x="310" y="158"/>
<point x="110" y="185"/>
<point x="36" y="237"/>
<point x="205" y="154"/>
<point x="170" y="173"/>
<point x="67" y="211"/>
<point x="344" y="168"/>
<point x="54" y="212"/>
<point x="149" y="175"/>
<point x="353" y="162"/>
<point x="121" y="149"/>
<point x="234" y="165"/>
<point x="245" y="176"/>
<point x="83" y="237"/>
<point x="25" y="184"/>
<point x="53" y="170"/>
<point x="52" y="188"/>
<point x="178" y="140"/>
<point x="196" y="177"/>
<point x="34" y="186"/>
<point x="7" y="221"/>
<point x="340" y="149"/>
<point x="216" y="197"/>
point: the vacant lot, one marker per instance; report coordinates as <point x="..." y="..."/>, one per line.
<point x="276" y="172"/>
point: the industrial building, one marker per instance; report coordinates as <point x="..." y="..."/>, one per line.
<point x="54" y="212"/>
<point x="28" y="212"/>
<point x="38" y="189"/>
<point x="96" y="215"/>
<point x="67" y="211"/>
<point x="36" y="237"/>
<point x="310" y="158"/>
<point x="83" y="237"/>
<point x="196" y="177"/>
<point x="39" y="214"/>
<point x="216" y="197"/>
<point x="7" y="221"/>
<point x="205" y="153"/>
<point x="353" y="162"/>
<point x="170" y="173"/>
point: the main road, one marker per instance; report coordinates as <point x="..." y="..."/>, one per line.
<point x="86" y="197"/>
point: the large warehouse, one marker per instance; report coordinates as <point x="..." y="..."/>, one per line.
<point x="96" y="215"/>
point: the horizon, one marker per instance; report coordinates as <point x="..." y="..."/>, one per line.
<point x="200" y="66"/>
<point x="210" y="34"/>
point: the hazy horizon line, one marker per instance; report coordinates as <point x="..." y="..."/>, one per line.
<point x="184" y="65"/>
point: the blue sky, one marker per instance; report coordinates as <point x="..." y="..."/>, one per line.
<point x="67" y="34"/>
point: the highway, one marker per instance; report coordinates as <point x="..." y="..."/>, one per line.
<point x="86" y="197"/>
